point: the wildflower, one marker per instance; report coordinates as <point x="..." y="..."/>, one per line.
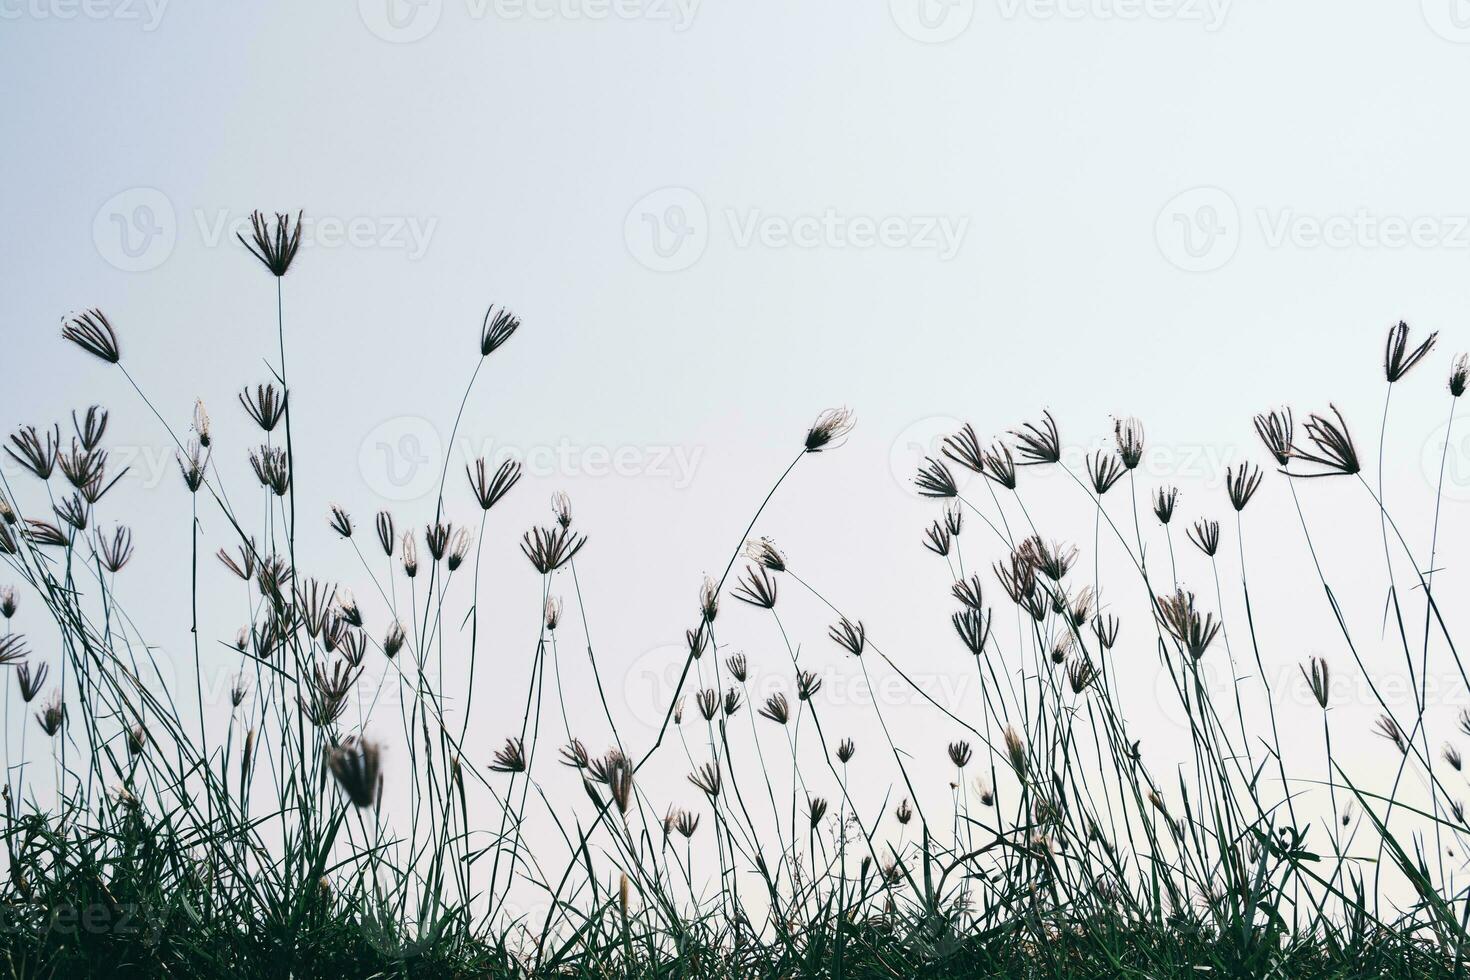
<point x="1016" y="749"/>
<point x="1128" y="434"/>
<point x="937" y="539"/>
<point x="904" y="813"/>
<point x="1182" y="621"/>
<point x="31" y="679"/>
<point x="52" y="715"/>
<point x="35" y="454"/>
<point x="959" y="754"/>
<point x="935" y="480"/>
<point x="707" y="778"/>
<point x="238" y="690"/>
<point x="816" y="810"/>
<point x="340" y="521"/>
<point x="953" y="519"/>
<point x="732" y="701"/>
<point x="12" y="649"/>
<point x="242" y="638"/>
<point x="1389" y="729"/>
<point x="92" y="333"/>
<point x="1104" y="470"/>
<point x="678" y="711"/>
<point x="1459" y="374"/>
<point x="201" y="423"/>
<point x="8" y="602"/>
<point x="393" y="640"/>
<point x="574" y="755"/>
<point x="737" y="666"/>
<point x="274" y="247"/>
<point x="973" y="627"/>
<point x="1053" y="561"/>
<point x="511" y="758"/>
<point x="984" y="791"/>
<point x="386" y="534"/>
<point x="356" y="764"/>
<point x="845" y="751"/>
<point x="1317" y="679"/>
<point x="777" y="709"/>
<point x="709" y="600"/>
<point x="1452" y="756"/>
<point x="549" y="550"/>
<point x="969" y="592"/>
<point x="807" y="684"/>
<point x="757" y="588"/>
<point x="852" y="637"/>
<point x="1080" y="674"/>
<point x="1206" y="536"/>
<point x="1336" y="453"/>
<point x="116" y="550"/>
<point x="1396" y="361"/>
<point x="1276" y="431"/>
<point x="708" y="702"/>
<point x="552" y="613"/>
<point x="137" y="740"/>
<point x="272" y="469"/>
<point x="81" y="467"/>
<point x="489" y="489"/>
<point x="91" y="427"/>
<point x="697" y="640"/>
<point x="1000" y="467"/>
<point x="498" y="326"/>
<point x="561" y="507"/>
<point x="763" y="552"/>
<point x="192" y="465"/>
<point x="1106" y="630"/>
<point x="1038" y="444"/>
<point x="686" y="823"/>
<point x="964" y="448"/>
<point x="245" y="567"/>
<point x="829" y="430"/>
<point x="266" y="406"/>
<point x="1164" y="500"/>
<point x="436" y="537"/>
<point x="73" y="511"/>
<point x="410" y="553"/>
<point x="1241" y="483"/>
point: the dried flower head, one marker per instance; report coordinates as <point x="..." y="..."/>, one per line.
<point x="1452" y="755"/>
<point x="193" y="463"/>
<point x="1000" y="466"/>
<point x="1317" y="677"/>
<point x="686" y="823"/>
<point x="807" y="684"/>
<point x="245" y="567"/>
<point x="935" y="480"/>
<point x="238" y="690"/>
<point x="969" y="591"/>
<point x="552" y="613"/>
<point x="852" y="637"/>
<point x="816" y="809"/>
<point x="1241" y="483"/>
<point x="73" y="511"/>
<point x="959" y="754"/>
<point x="1459" y="374"/>
<point x="550" y="549"/>
<point x="707" y="779"/>
<point x="201" y="423"/>
<point x="92" y="333"/>
<point x="1397" y="360"/>
<point x="115" y="551"/>
<point x="829" y="430"/>
<point x="409" y="550"/>
<point x="1164" y="500"/>
<point x="904" y="812"/>
<point x="1179" y="617"/>
<point x="8" y="602"/>
<point x="393" y="640"/>
<point x="845" y="751"/>
<point x="340" y="521"/>
<point x="52" y="715"/>
<point x="697" y="640"/>
<point x="1016" y="750"/>
<point x="1389" y="729"/>
<point x="709" y="599"/>
<point x="757" y="587"/>
<point x="1277" y="431"/>
<point x="31" y="678"/>
<point x="33" y="452"/>
<point x="266" y="406"/>
<point x="489" y="488"/>
<point x="272" y="469"/>
<point x="91" y="426"/>
<point x="1103" y="470"/>
<point x="777" y="709"/>
<point x="1106" y="630"/>
<point x="973" y="627"/>
<point x="274" y="245"/>
<point x="497" y="327"/>
<point x="12" y="649"/>
<point x="1206" y="536"/>
<point x="356" y="763"/>
<point x="1080" y="674"/>
<point x="1053" y="561"/>
<point x="1336" y="453"/>
<point x="1038" y="444"/>
<point x="737" y="666"/>
<point x="1128" y="435"/>
<point x="937" y="538"/>
<point x="708" y="702"/>
<point x="386" y="533"/>
<point x="763" y="552"/>
<point x="510" y="758"/>
<point x="733" y="701"/>
<point x="964" y="448"/>
<point x="45" y="534"/>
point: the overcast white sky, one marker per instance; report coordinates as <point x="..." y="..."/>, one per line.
<point x="717" y="219"/>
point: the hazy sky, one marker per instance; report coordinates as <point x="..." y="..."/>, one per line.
<point x="718" y="219"/>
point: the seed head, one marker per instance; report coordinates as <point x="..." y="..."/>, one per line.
<point x="409" y="549"/>
<point x="12" y="649"/>
<point x="550" y="549"/>
<point x="1336" y="453"/>
<point x="393" y="640"/>
<point x="115" y="551"/>
<point x="552" y="613"/>
<point x="91" y="427"/>
<point x="1389" y="729"/>
<point x="1452" y="756"/>
<point x="52" y="715"/>
<point x="807" y="684"/>
<point x="1179" y="617"/>
<point x="973" y="627"/>
<point x="192" y="465"/>
<point x="1128" y="434"/>
<point x="709" y="599"/>
<point x="829" y="430"/>
<point x="733" y="701"/>
<point x="1317" y="677"/>
<point x="757" y="587"/>
<point x="937" y="539"/>
<point x="272" y="469"/>
<point x="763" y="552"/>
<point x="935" y="480"/>
<point x="1459" y="374"/>
<point x="1104" y="469"/>
<point x="1277" y="432"/>
<point x="266" y="406"/>
<point x="489" y="489"/>
<point x="1080" y="674"/>
<point x="1038" y="444"/>
<point x="33" y="452"/>
<point x="1164" y="500"/>
<point x="1397" y="360"/>
<point x="92" y="333"/>
<point x="498" y="326"/>
<point x="1106" y="630"/>
<point x="708" y="702"/>
<point x="510" y="758"/>
<point x="386" y="534"/>
<point x="1241" y="483"/>
<point x="275" y="246"/>
<point x="852" y="637"/>
<point x="340" y="521"/>
<point x="1206" y="536"/>
<point x="959" y="754"/>
<point x="777" y="709"/>
<point x="904" y="813"/>
<point x="845" y="751"/>
<point x="356" y="763"/>
<point x="816" y="809"/>
<point x="1016" y="749"/>
<point x="8" y="602"/>
<point x="201" y="423"/>
<point x="737" y="666"/>
<point x="31" y="679"/>
<point x="964" y="448"/>
<point x="1053" y="561"/>
<point x="707" y="778"/>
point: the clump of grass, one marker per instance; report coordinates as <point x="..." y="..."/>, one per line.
<point x="273" y="840"/>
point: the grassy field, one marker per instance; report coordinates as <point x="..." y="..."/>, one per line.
<point x="145" y="836"/>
